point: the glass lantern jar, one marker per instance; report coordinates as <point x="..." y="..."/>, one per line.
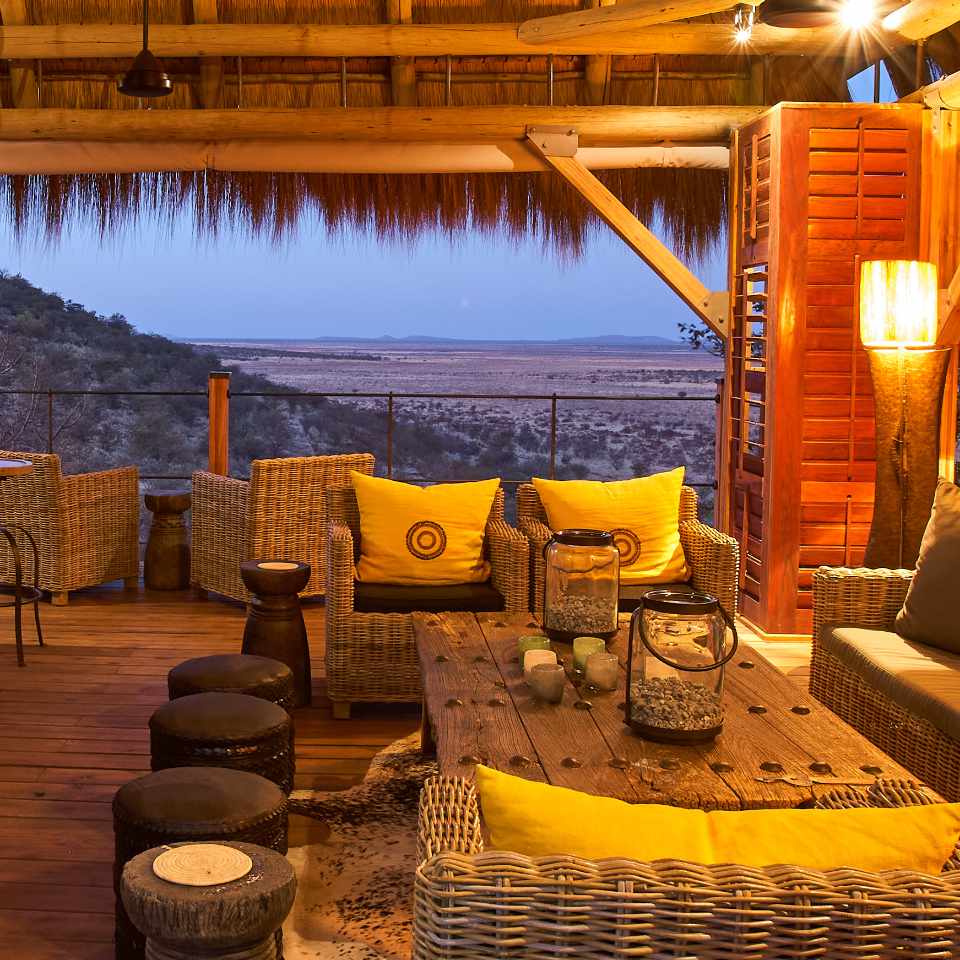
<point x="581" y="585"/>
<point x="676" y="656"/>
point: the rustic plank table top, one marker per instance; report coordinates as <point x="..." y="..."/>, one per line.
<point x="479" y="709"/>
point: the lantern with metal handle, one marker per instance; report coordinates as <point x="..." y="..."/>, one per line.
<point x="675" y="676"/>
<point x="581" y="585"/>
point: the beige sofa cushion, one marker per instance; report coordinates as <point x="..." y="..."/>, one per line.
<point x="923" y="680"/>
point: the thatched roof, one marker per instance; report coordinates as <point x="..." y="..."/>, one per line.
<point x="690" y="202"/>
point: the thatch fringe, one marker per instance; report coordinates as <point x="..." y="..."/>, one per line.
<point x="691" y="204"/>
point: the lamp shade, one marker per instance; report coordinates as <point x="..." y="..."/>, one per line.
<point x="898" y="303"/>
<point x="798" y="13"/>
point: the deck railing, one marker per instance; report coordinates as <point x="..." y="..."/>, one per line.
<point x="219" y="395"/>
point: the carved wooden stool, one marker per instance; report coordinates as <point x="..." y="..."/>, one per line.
<point x="224" y="730"/>
<point x="233" y="673"/>
<point x="166" y="562"/>
<point x="183" y="920"/>
<point x="190" y="803"/>
<point x="275" y="625"/>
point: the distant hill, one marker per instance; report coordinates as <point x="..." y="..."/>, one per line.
<point x="609" y="340"/>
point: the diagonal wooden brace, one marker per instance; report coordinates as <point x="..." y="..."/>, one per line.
<point x="558" y="146"/>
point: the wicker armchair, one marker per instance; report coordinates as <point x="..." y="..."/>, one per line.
<point x="85" y="525"/>
<point x="371" y="656"/>
<point x="713" y="557"/>
<point x="279" y="513"/>
<point x="473" y="904"/>
<point x="871" y="599"/>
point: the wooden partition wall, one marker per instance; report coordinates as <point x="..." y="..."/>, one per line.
<point x="816" y="189"/>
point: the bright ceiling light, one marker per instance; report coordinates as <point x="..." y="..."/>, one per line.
<point x="743" y="23"/>
<point x="857" y="14"/>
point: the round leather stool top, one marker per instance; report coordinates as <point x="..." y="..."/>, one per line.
<point x="233" y="673"/>
<point x="274" y="577"/>
<point x="200" y="796"/>
<point x="218" y="716"/>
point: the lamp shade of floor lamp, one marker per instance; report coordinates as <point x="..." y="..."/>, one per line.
<point x="898" y="328"/>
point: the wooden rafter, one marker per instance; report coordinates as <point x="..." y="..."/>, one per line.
<point x="597" y="68"/>
<point x="711" y="307"/>
<point x="920" y="19"/>
<point x="598" y="126"/>
<point x="23" y="78"/>
<point x="210" y="89"/>
<point x="403" y="76"/>
<point x="92" y="41"/>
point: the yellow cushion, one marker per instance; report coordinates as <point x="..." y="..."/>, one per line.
<point x="539" y="820"/>
<point x="420" y="535"/>
<point x="643" y="515"/>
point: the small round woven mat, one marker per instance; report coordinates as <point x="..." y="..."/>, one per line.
<point x="202" y="864"/>
<point x="277" y="565"/>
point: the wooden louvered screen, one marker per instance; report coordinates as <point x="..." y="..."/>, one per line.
<point x="820" y="189"/>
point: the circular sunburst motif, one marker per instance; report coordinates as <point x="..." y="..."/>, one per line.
<point x="628" y="545"/>
<point x="426" y="540"/>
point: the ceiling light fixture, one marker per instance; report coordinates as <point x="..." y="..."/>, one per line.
<point x="146" y="76"/>
<point x="743" y="23"/>
<point x="853" y="14"/>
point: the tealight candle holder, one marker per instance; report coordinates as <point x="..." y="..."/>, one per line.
<point x="602" y="671"/>
<point x="582" y="648"/>
<point x="547" y="681"/>
<point x="532" y="642"/>
<point x="532" y="657"/>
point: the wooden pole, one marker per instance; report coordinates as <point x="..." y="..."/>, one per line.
<point x="403" y="76"/>
<point x="218" y="414"/>
<point x="23" y="77"/>
<point x="210" y="88"/>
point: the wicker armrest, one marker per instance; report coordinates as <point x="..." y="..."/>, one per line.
<point x="858" y="597"/>
<point x="449" y="818"/>
<point x="340" y="570"/>
<point x="537" y="533"/>
<point x="509" y="553"/>
<point x="714" y="560"/>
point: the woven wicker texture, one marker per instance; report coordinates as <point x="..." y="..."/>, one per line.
<point x="280" y="513"/>
<point x="85" y="525"/>
<point x="371" y="656"/>
<point x="871" y="598"/>
<point x="713" y="557"/>
<point x="475" y="904"/>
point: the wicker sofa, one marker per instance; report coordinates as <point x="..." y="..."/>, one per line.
<point x="85" y="525"/>
<point x="903" y="696"/>
<point x="472" y="903"/>
<point x="370" y="656"/>
<point x="279" y="513"/>
<point x="713" y="557"/>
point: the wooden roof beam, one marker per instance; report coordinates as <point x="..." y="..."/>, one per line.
<point x="105" y="40"/>
<point x="598" y="126"/>
<point x="559" y="148"/>
<point x="210" y="87"/>
<point x="23" y="77"/>
<point x="403" y="75"/>
<point x="920" y="19"/>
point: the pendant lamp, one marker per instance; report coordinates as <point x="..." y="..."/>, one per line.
<point x="146" y="76"/>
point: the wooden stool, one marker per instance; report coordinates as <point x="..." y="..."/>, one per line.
<point x="239" y="920"/>
<point x="224" y="730"/>
<point x="233" y="673"/>
<point x="275" y="625"/>
<point x="166" y="562"/>
<point x="192" y="803"/>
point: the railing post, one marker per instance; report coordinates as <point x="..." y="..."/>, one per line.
<point x="218" y="418"/>
<point x="553" y="437"/>
<point x="390" y="435"/>
<point x="49" y="421"/>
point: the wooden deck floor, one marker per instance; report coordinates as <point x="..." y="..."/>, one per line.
<point x="73" y="726"/>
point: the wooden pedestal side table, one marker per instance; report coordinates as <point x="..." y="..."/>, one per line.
<point x="275" y="626"/>
<point x="218" y="901"/>
<point x="166" y="562"/>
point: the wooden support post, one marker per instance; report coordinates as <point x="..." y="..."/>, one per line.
<point x="558" y="148"/>
<point x="23" y="77"/>
<point x="210" y="87"/>
<point x="218" y="414"/>
<point x="403" y="75"/>
<point x="597" y="69"/>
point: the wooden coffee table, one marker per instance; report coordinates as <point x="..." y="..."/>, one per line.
<point x="776" y="739"/>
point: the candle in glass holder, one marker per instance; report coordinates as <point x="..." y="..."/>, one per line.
<point x="547" y="681"/>
<point x="582" y="648"/>
<point x="532" y="642"/>
<point x="532" y="657"/>
<point x="602" y="671"/>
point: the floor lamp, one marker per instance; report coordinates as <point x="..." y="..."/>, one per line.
<point x="898" y="327"/>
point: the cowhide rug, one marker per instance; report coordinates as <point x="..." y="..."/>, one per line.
<point x="355" y="893"/>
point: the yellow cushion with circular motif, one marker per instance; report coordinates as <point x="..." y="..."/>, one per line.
<point x="643" y="514"/>
<point x="422" y="535"/>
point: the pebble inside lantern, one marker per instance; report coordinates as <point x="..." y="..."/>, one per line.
<point x="675" y="661"/>
<point x="581" y="585"/>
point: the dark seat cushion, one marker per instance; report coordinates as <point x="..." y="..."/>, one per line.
<point x="197" y="795"/>
<point x="632" y="593"/>
<point x="218" y="716"/>
<point x="229" y="672"/>
<point x="397" y="598"/>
